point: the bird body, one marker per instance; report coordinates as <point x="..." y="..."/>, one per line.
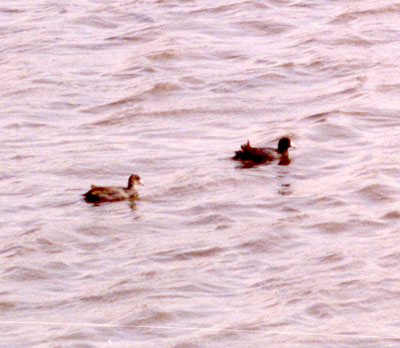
<point x="114" y="193"/>
<point x="258" y="155"/>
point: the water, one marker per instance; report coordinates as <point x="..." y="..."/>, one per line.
<point x="212" y="255"/>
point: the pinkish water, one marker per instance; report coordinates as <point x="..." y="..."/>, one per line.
<point x="305" y="255"/>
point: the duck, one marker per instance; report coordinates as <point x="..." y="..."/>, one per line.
<point x="114" y="193"/>
<point x="251" y="156"/>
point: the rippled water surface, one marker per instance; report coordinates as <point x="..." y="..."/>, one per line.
<point x="212" y="255"/>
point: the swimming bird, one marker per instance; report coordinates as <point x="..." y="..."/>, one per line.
<point x="114" y="193"/>
<point x="251" y="156"/>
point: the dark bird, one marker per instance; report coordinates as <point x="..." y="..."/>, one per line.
<point x="251" y="156"/>
<point x="114" y="193"/>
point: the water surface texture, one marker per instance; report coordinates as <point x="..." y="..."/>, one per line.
<point x="212" y="255"/>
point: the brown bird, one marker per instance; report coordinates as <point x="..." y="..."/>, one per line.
<point x="251" y="156"/>
<point x="114" y="193"/>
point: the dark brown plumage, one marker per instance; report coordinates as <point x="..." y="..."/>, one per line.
<point x="114" y="193"/>
<point x="251" y="156"/>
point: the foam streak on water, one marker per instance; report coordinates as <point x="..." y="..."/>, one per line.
<point x="304" y="255"/>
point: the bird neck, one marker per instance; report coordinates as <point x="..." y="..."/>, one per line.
<point x="282" y="151"/>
